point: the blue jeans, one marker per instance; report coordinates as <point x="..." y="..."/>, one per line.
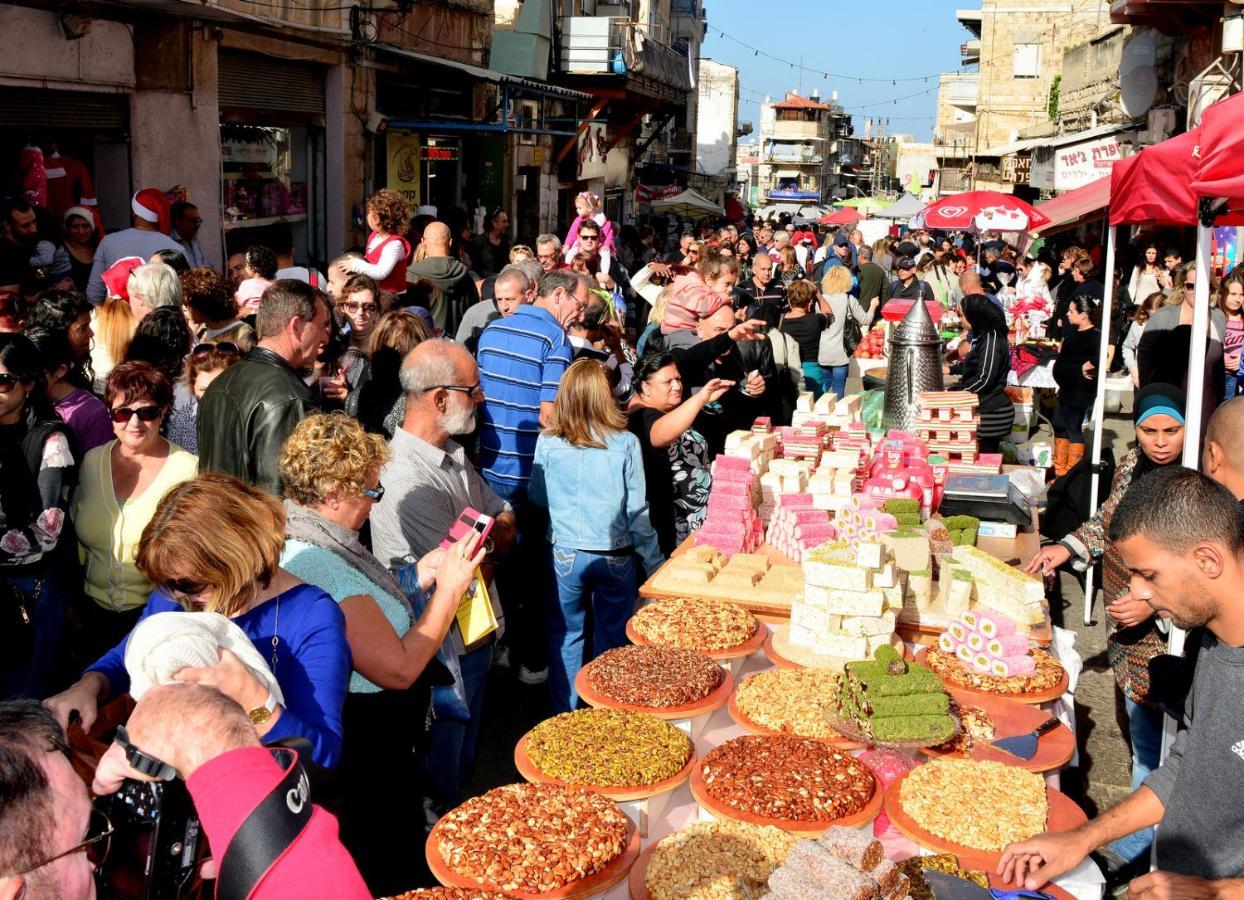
<point x="1144" y="726"/>
<point x="45" y="604"/>
<point x="813" y="378"/>
<point x="523" y="579"/>
<point x="834" y="378"/>
<point x="1231" y="387"/>
<point x="451" y="742"/>
<point x="602" y="582"/>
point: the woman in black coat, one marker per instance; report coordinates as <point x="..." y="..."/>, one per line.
<point x="983" y="371"/>
<point x="1075" y="371"/>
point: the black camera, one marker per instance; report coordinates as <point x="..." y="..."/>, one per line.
<point x="157" y="843"/>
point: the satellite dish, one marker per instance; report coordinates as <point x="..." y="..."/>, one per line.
<point x="1140" y="50"/>
<point x="1137" y="90"/>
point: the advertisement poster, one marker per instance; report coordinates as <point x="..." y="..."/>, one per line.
<point x="1224" y="250"/>
<point x="1081" y="164"/>
<point x="592" y="151"/>
<point x="402" y="153"/>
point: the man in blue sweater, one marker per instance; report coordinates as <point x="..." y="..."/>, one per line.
<point x="1182" y="537"/>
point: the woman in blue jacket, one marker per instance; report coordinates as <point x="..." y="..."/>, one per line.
<point x="589" y="472"/>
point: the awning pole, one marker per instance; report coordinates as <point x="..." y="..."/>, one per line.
<point x="1192" y="417"/>
<point x="1099" y="405"/>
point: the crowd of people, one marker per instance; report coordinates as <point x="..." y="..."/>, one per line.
<point x="282" y="457"/>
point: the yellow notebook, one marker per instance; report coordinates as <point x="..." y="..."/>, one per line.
<point x="476" y="619"/>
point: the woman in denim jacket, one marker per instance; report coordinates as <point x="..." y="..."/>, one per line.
<point x="589" y="472"/>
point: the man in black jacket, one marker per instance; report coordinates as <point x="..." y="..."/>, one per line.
<point x="251" y="408"/>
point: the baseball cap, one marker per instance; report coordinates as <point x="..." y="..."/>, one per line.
<point x="840" y="240"/>
<point x="907" y="248"/>
<point x="905" y="262"/>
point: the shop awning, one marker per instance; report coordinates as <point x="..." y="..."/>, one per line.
<point x="482" y="74"/>
<point x="1072" y="207"/>
<point x="1221" y="151"/>
<point x="1151" y="187"/>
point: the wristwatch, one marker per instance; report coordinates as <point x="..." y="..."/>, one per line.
<point x="261" y="714"/>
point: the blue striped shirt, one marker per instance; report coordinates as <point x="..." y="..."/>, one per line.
<point x="521" y="361"/>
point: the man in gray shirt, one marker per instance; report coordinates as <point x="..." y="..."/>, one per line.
<point x="1182" y="537"/>
<point x="428" y="482"/>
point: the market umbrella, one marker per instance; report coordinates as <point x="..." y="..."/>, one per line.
<point x="688" y="204"/>
<point x="905" y="207"/>
<point x="845" y="216"/>
<point x="865" y="205"/>
<point x="981" y="211"/>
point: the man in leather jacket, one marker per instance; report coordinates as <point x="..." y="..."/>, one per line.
<point x="251" y="408"/>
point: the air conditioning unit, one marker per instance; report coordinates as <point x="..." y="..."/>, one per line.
<point x="1161" y="124"/>
<point x="1212" y="85"/>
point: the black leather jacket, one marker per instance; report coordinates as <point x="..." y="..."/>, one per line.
<point x="246" y="415"/>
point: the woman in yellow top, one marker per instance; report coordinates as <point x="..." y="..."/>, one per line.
<point x="121" y="483"/>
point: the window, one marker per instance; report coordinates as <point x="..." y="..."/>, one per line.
<point x="1027" y="61"/>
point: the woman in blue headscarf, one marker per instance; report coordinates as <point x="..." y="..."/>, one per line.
<point x="1134" y="635"/>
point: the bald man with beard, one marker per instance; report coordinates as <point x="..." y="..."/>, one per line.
<point x="453" y="286"/>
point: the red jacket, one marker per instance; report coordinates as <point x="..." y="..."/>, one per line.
<point x="225" y="791"/>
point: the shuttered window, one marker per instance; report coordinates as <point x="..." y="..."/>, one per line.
<point x="44" y="108"/>
<point x="260" y="82"/>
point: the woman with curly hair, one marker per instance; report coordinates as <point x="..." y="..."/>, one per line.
<point x="213" y="311"/>
<point x="259" y="272"/>
<point x="330" y="468"/>
<point x="388" y="217"/>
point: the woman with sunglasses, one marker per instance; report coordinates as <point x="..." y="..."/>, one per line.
<point x="213" y="311"/>
<point x="359" y="308"/>
<point x="163" y="340"/>
<point x="121" y="484"/>
<point x="1162" y="352"/>
<point x="36" y="469"/>
<point x="330" y="469"/>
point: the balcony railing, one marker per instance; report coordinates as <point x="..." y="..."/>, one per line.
<point x="961" y="91"/>
<point x="797" y="159"/>
<point x="600" y="45"/>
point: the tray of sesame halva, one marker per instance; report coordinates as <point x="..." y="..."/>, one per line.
<point x="975" y="808"/>
<point x="534" y="841"/>
<point x="801" y="785"/>
<point x="714" y="628"/>
<point x="1048" y="682"/>
<point x="788" y="701"/>
<point x="765" y="582"/>
<point x="785" y="655"/>
<point x="623" y="755"/>
<point x="666" y="682"/>
<point x="721" y="860"/>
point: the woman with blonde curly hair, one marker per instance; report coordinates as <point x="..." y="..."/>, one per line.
<point x="836" y="303"/>
<point x="331" y="471"/>
<point x="214" y="545"/>
<point x="388" y="217"/>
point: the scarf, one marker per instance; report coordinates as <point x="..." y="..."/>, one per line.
<point x="306" y="525"/>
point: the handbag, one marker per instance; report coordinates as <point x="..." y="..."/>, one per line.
<point x="852" y="334"/>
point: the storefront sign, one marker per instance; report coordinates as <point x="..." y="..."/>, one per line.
<point x="402" y="151"/>
<point x="1080" y="164"/>
<point x="439" y="154"/>
<point x="592" y="149"/>
<point x="646" y="193"/>
<point x="1016" y="168"/>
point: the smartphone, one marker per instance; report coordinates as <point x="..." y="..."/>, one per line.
<point x="467" y="520"/>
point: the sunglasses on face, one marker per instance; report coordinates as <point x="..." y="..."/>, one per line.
<point x="123" y="414"/>
<point x="224" y="348"/>
<point x="376" y="493"/>
<point x="471" y="390"/>
<point x="183" y="587"/>
<point x="8" y="381"/>
<point x="1189" y="285"/>
<point x="351" y="306"/>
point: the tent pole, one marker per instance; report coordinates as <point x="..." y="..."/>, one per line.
<point x="1099" y="404"/>
<point x="1192" y="425"/>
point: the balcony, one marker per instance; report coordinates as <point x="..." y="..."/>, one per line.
<point x="971" y="19"/>
<point x="960" y="90"/>
<point x="970" y="52"/>
<point x="799" y="155"/>
<point x="601" y="45"/>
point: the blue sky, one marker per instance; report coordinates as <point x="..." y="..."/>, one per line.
<point x="860" y="38"/>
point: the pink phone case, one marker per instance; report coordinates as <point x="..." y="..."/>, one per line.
<point x="468" y="519"/>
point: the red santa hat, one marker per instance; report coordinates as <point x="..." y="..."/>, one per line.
<point x="117" y="276"/>
<point x="151" y="205"/>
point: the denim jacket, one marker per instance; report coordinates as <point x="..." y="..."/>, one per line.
<point x="596" y="497"/>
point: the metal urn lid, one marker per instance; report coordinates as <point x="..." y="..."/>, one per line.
<point x="917" y="327"/>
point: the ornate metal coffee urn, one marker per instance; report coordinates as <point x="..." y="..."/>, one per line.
<point x="915" y="352"/>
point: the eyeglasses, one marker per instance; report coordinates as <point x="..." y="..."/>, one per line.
<point x="224" y="348"/>
<point x="472" y="390"/>
<point x="183" y="587"/>
<point x="8" y="381"/>
<point x="123" y="414"/>
<point x="376" y="493"/>
<point x="1189" y="285"/>
<point x="351" y="306"/>
<point x="97" y="843"/>
<point x="588" y="237"/>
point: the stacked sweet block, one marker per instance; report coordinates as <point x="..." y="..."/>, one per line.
<point x="689" y="573"/>
<point x="854" y="436"/>
<point x="947" y="421"/>
<point x="730" y="521"/>
<point x="1002" y="588"/>
<point x="849" y="602"/>
<point x="805" y="441"/>
<point x="784" y="476"/>
<point x="834" y="480"/>
<point x="989" y="643"/>
<point x="983" y="464"/>
<point x="864" y="520"/>
<point x="745" y="578"/>
<point x="900" y="469"/>
<point x="891" y="701"/>
<point x="797" y="526"/>
<point x="757" y="447"/>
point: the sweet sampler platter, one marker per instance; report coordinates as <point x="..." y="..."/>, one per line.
<point x="986" y="718"/>
<point x="667" y="683"/>
<point x="715" y="629"/>
<point x="1047" y="683"/>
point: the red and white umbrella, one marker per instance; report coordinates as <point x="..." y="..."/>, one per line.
<point x="981" y="211"/>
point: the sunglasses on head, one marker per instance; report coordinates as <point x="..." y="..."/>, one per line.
<point x="224" y="348"/>
<point x="123" y="414"/>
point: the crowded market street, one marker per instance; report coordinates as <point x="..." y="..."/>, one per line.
<point x="503" y="448"/>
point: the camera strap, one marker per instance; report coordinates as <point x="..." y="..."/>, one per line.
<point x="265" y="834"/>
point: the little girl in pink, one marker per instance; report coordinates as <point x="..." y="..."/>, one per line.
<point x="587" y="205"/>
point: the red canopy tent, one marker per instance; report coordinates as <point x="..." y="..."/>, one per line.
<point x="1152" y="186"/>
<point x="844" y="216"/>
<point x="1072" y="207"/>
<point x="1220" y="170"/>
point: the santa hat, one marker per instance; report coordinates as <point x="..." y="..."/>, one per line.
<point x="117" y="276"/>
<point x="151" y="205"/>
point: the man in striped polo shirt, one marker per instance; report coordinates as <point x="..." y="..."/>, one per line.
<point x="521" y="361"/>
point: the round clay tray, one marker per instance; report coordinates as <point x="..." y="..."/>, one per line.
<point x="530" y="772"/>
<point x="1063" y="815"/>
<point x="841" y="742"/>
<point x="747" y="648"/>
<point x="713" y="702"/>
<point x="602" y="881"/>
<point x="1010" y="718"/>
<point x="795" y="826"/>
<point x="1032" y="697"/>
<point x="834" y="663"/>
<point x="842" y="726"/>
<point x="636" y="882"/>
